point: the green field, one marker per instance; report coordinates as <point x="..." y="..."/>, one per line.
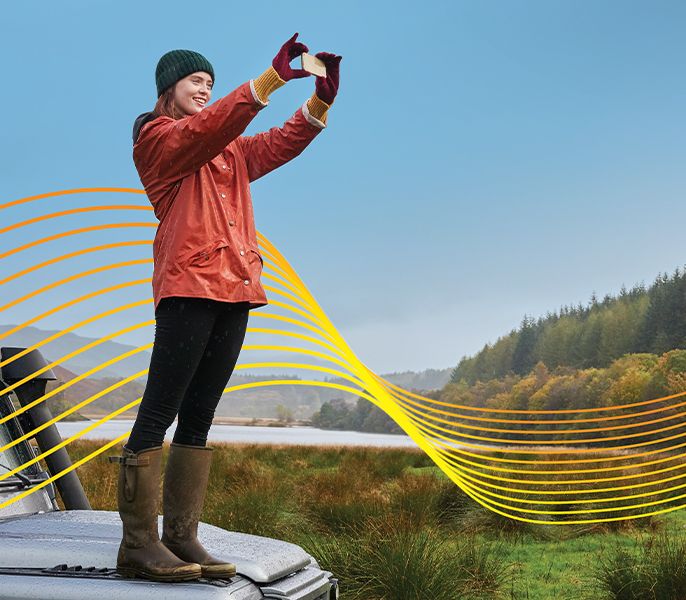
<point x="392" y="526"/>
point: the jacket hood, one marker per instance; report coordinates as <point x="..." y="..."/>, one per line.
<point x="140" y="121"/>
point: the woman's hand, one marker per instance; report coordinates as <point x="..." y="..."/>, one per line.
<point x="327" y="87"/>
<point x="288" y="52"/>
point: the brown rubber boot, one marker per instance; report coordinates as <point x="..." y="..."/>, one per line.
<point x="185" y="484"/>
<point x="141" y="554"/>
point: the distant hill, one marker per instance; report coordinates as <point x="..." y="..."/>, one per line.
<point x="429" y="379"/>
<point x="639" y="320"/>
<point x="302" y="401"/>
<point x="70" y="342"/>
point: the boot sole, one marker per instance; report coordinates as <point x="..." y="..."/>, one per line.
<point x="219" y="574"/>
<point x="133" y="573"/>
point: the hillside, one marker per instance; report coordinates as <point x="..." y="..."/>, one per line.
<point x="639" y="320"/>
<point x="260" y="402"/>
<point x="630" y="379"/>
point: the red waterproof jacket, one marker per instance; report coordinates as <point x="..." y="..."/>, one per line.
<point x="197" y="172"/>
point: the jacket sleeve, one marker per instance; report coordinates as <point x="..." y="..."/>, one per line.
<point x="176" y="148"/>
<point x="268" y="150"/>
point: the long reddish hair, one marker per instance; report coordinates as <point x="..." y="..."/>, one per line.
<point x="166" y="106"/>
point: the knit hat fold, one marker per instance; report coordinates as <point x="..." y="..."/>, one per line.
<point x="177" y="64"/>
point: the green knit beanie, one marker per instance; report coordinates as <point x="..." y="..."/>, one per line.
<point x="176" y="65"/>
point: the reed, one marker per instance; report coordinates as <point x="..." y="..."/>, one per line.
<point x="389" y="523"/>
<point x="390" y="558"/>
<point x="653" y="570"/>
<point x="338" y="499"/>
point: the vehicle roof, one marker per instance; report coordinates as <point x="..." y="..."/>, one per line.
<point x="92" y="538"/>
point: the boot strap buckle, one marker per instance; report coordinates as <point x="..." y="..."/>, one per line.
<point x="130" y="461"/>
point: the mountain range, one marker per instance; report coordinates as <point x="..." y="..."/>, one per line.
<point x="302" y="401"/>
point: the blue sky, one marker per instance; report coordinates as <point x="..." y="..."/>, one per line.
<point x="483" y="160"/>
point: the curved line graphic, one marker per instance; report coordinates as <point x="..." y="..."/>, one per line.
<point x="441" y="429"/>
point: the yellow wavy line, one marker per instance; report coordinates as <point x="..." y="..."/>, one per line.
<point x="418" y="419"/>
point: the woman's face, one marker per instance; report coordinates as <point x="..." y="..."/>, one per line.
<point x="193" y="92"/>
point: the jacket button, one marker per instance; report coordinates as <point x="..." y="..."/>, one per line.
<point x="223" y="195"/>
<point x="246" y="282"/>
<point x="223" y="166"/>
<point x="242" y="253"/>
<point x="232" y="223"/>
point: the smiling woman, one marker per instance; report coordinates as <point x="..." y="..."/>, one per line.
<point x="193" y="92"/>
<point x="197" y="167"/>
<point x="186" y="97"/>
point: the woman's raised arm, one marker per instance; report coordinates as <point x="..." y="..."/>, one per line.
<point x="170" y="149"/>
<point x="268" y="150"/>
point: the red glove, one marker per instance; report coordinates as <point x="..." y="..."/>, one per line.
<point x="288" y="52"/>
<point x="327" y="87"/>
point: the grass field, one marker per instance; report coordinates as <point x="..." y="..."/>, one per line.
<point x="392" y="526"/>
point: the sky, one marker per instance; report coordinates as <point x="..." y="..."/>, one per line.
<point x="482" y="161"/>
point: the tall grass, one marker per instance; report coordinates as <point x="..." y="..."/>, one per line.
<point x="390" y="559"/>
<point x="655" y="570"/>
<point x="389" y="523"/>
<point x="335" y="488"/>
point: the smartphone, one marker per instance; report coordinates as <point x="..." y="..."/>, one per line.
<point x="312" y="64"/>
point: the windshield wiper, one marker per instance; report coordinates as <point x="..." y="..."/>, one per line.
<point x="27" y="483"/>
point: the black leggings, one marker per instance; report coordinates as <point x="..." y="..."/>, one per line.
<point x="197" y="342"/>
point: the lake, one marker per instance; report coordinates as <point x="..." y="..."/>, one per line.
<point x="309" y="436"/>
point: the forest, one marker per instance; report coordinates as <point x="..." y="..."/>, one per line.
<point x="624" y="349"/>
<point x="636" y="321"/>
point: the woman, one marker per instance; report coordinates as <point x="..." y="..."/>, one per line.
<point x="196" y="168"/>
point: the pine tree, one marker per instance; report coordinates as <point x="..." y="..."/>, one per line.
<point x="523" y="357"/>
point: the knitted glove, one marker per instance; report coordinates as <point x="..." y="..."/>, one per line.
<point x="327" y="87"/>
<point x="280" y="72"/>
<point x="288" y="52"/>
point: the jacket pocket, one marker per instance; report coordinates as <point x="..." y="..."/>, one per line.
<point x="202" y="255"/>
<point x="254" y="253"/>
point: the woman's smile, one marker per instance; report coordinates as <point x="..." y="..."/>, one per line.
<point x="193" y="92"/>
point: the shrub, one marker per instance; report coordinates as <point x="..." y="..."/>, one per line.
<point x="655" y="570"/>
<point x="386" y="558"/>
